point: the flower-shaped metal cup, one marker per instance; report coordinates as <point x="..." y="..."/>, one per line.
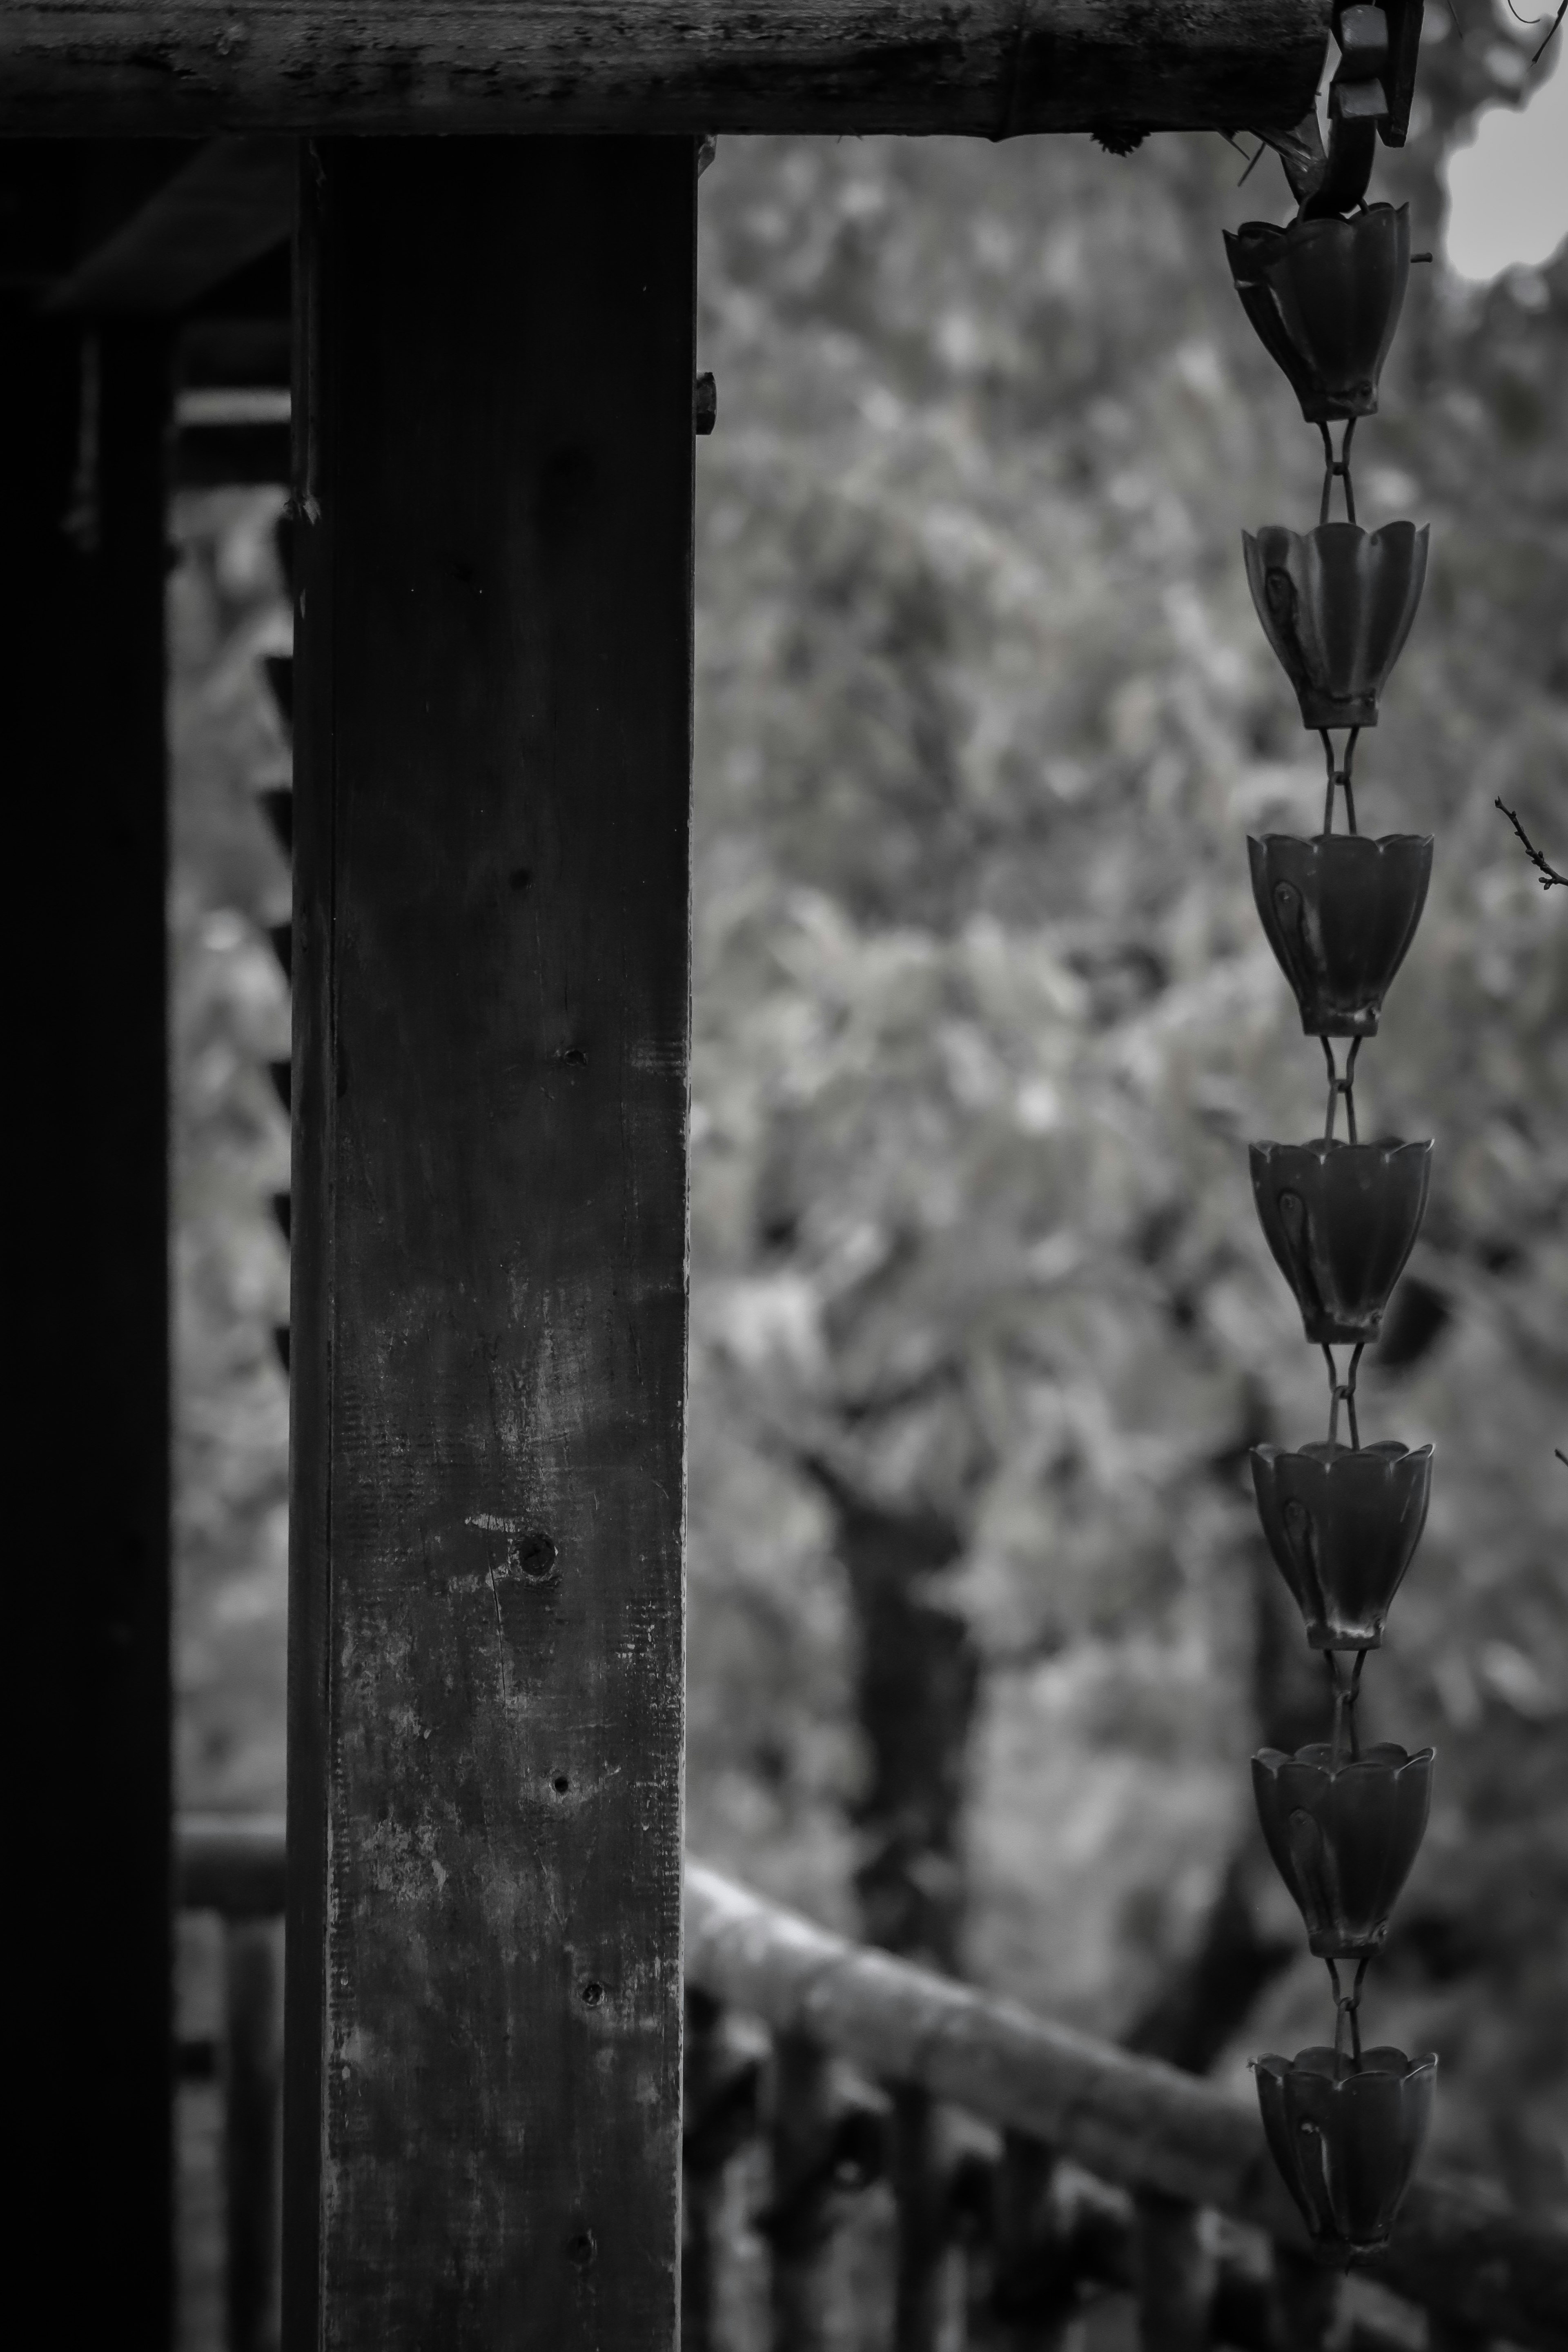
<point x="1340" y="912"/>
<point x="1344" y="1839"/>
<point x="1325" y="297"/>
<point x="1340" y="1219"/>
<point x="1347" y="2142"/>
<point x="1336" y="605"/>
<point x="1342" y="1523"/>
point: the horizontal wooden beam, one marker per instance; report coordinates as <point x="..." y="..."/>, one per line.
<point x="988" y="67"/>
<point x="230" y="1862"/>
<point x="1129" y="2120"/>
<point x="233" y="202"/>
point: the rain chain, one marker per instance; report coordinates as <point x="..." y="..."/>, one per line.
<point x="1344" y="2121"/>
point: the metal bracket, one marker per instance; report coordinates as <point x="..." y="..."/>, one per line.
<point x="1368" y="99"/>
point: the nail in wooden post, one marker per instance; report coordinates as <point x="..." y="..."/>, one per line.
<point x="492" y="740"/>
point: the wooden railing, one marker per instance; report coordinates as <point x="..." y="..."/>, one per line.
<point x="1029" y="2168"/>
<point x="233" y="1866"/>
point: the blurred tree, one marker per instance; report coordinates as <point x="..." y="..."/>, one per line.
<point x="982" y="1322"/>
<point x="984" y="1020"/>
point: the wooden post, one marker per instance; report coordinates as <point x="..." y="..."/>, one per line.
<point x="1454" y="2335"/>
<point x="800" y="2229"/>
<point x="702" y="2182"/>
<point x="250" y="2132"/>
<point x="1032" y="2288"/>
<point x="1177" y="2277"/>
<point x="83" y="414"/>
<point x="720" y="2116"/>
<point x="491" y="951"/>
<point x="1304" y="2302"/>
<point x="919" y="2198"/>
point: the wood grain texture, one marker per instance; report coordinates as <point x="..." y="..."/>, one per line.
<point x="492" y="963"/>
<point x="992" y="68"/>
<point x="1133" y="2121"/>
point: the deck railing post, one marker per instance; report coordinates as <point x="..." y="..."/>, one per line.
<point x="1454" y="2335"/>
<point x="491" y="971"/>
<point x="721" y="2115"/>
<point x="1031" y="2294"/>
<point x="800" y="2122"/>
<point x="250" y="2085"/>
<point x="918" y="2193"/>
<point x="1176" y="2276"/>
<point x="702" y="2182"/>
<point x="1304" y="2301"/>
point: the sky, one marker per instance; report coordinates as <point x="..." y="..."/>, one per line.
<point x="1509" y="189"/>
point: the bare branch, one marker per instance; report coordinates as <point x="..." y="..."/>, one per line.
<point x="1548" y="874"/>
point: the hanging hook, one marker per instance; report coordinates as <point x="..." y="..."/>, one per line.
<point x="1340" y="1084"/>
<point x="1357" y="105"/>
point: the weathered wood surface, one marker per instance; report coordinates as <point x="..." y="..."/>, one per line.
<point x="82" y="673"/>
<point x="1133" y="2121"/>
<point x="491" y="976"/>
<point x="992" y="68"/>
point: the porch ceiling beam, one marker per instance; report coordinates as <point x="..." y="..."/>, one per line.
<point x="988" y="67"/>
<point x="233" y="202"/>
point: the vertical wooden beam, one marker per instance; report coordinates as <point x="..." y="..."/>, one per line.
<point x="800" y="2133"/>
<point x="250" y="2133"/>
<point x="1304" y="2301"/>
<point x="491" y="982"/>
<point x="1454" y="2334"/>
<point x="1176" y="2276"/>
<point x="702" y="2182"/>
<point x="920" y="2195"/>
<point x="1033" y="2288"/>
<point x="83" y="416"/>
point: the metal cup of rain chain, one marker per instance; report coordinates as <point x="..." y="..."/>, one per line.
<point x="1340" y="1219"/>
<point x="1336" y="605"/>
<point x="1342" y="1523"/>
<point x="1344" y="1826"/>
<point x="1340" y="912"/>
<point x="1343" y="1836"/>
<point x="1324" y="297"/>
<point x="1346" y="2138"/>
